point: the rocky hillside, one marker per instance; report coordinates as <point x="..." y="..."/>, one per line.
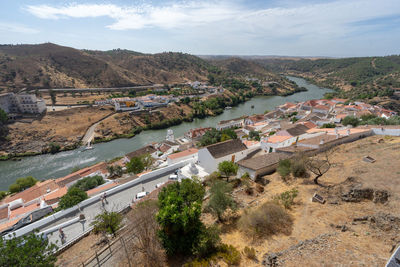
<point x="53" y="66"/>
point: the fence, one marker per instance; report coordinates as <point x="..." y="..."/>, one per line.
<point x="117" y="248"/>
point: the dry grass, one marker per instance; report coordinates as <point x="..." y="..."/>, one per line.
<point x="265" y="221"/>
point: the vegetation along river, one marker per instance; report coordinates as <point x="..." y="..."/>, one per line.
<point x="53" y="166"/>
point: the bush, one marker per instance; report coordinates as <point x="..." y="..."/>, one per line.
<point x="250" y="253"/>
<point x="54" y="148"/>
<point x="22" y="184"/>
<point x="88" y="183"/>
<point x="298" y="168"/>
<point x="350" y="120"/>
<point x="286" y="199"/>
<point x="328" y="125"/>
<point x="209" y="241"/>
<point x="228" y="168"/>
<point x="107" y="222"/>
<point x="230" y="254"/>
<point x="266" y="220"/>
<point x="284" y="167"/>
<point x="14" y="188"/>
<point x="3" y="194"/>
<point x="72" y="197"/>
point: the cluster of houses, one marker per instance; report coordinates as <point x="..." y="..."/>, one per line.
<point x="136" y="103"/>
<point x="279" y="136"/>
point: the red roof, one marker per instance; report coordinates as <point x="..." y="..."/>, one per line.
<point x="322" y="107"/>
<point x="183" y="153"/>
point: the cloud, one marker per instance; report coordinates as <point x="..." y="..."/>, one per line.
<point x="11" y="27"/>
<point x="232" y="23"/>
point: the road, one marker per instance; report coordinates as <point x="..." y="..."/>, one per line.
<point x="142" y="87"/>
<point x="116" y="202"/>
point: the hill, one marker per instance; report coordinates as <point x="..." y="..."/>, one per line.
<point x="53" y="66"/>
<point x="362" y="78"/>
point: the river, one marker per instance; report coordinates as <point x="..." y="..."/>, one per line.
<point x="53" y="166"/>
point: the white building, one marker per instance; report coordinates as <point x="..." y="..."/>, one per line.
<point x="231" y="150"/>
<point x="222" y="125"/>
<point x="22" y="103"/>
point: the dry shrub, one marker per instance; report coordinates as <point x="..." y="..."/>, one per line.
<point x="259" y="188"/>
<point x="143" y="226"/>
<point x="250" y="253"/>
<point x="266" y="220"/>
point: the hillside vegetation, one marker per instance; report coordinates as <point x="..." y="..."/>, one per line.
<point x="53" y="66"/>
<point x="358" y="78"/>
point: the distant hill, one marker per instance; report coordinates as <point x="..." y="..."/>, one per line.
<point x="53" y="66"/>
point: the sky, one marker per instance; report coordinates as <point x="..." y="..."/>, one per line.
<point x="332" y="28"/>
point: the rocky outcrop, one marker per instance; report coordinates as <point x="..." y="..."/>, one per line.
<point x="360" y="194"/>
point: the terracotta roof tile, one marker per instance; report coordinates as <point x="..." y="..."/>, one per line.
<point x="184" y="153"/>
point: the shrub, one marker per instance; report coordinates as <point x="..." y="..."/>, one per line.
<point x="88" y="183"/>
<point x="328" y="125"/>
<point x="230" y="254"/>
<point x="208" y="243"/>
<point x="54" y="148"/>
<point x="3" y="194"/>
<point x="72" y="197"/>
<point x="259" y="188"/>
<point x="350" y="120"/>
<point x="286" y="199"/>
<point x="284" y="167"/>
<point x="107" y="222"/>
<point x="298" y="168"/>
<point x="266" y="220"/>
<point x="14" y="188"/>
<point x="250" y="253"/>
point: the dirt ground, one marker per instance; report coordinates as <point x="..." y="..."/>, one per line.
<point x="64" y="127"/>
<point x="362" y="243"/>
<point x="68" y="99"/>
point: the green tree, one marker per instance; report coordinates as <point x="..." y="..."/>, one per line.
<point x="22" y="184"/>
<point x="221" y="198"/>
<point x="107" y="222"/>
<point x="88" y="183"/>
<point x="72" y="197"/>
<point x="14" y="188"/>
<point x="3" y="116"/>
<point x="53" y="97"/>
<point x="28" y="250"/>
<point x="350" y="120"/>
<point x="179" y="216"/>
<point x="228" y="168"/>
<point x="135" y="165"/>
<point x="3" y="194"/>
<point x="254" y="135"/>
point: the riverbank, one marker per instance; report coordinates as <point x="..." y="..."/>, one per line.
<point x="48" y="166"/>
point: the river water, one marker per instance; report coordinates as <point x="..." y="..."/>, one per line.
<point x="53" y="166"/>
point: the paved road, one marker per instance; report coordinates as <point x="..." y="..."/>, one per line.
<point x="116" y="202"/>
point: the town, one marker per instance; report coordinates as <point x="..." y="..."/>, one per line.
<point x="256" y="144"/>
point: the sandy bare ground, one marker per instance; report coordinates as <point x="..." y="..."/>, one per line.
<point x="363" y="243"/>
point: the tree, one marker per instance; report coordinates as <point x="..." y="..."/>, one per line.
<point x="221" y="198"/>
<point x="254" y="135"/>
<point x="3" y="116"/>
<point x="179" y="216"/>
<point x="22" y="184"/>
<point x="27" y="250"/>
<point x="135" y="165"/>
<point x="350" y="120"/>
<point x="72" y="197"/>
<point x="144" y="227"/>
<point x="107" y="222"/>
<point x="319" y="166"/>
<point x="228" y="168"/>
<point x="53" y="97"/>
